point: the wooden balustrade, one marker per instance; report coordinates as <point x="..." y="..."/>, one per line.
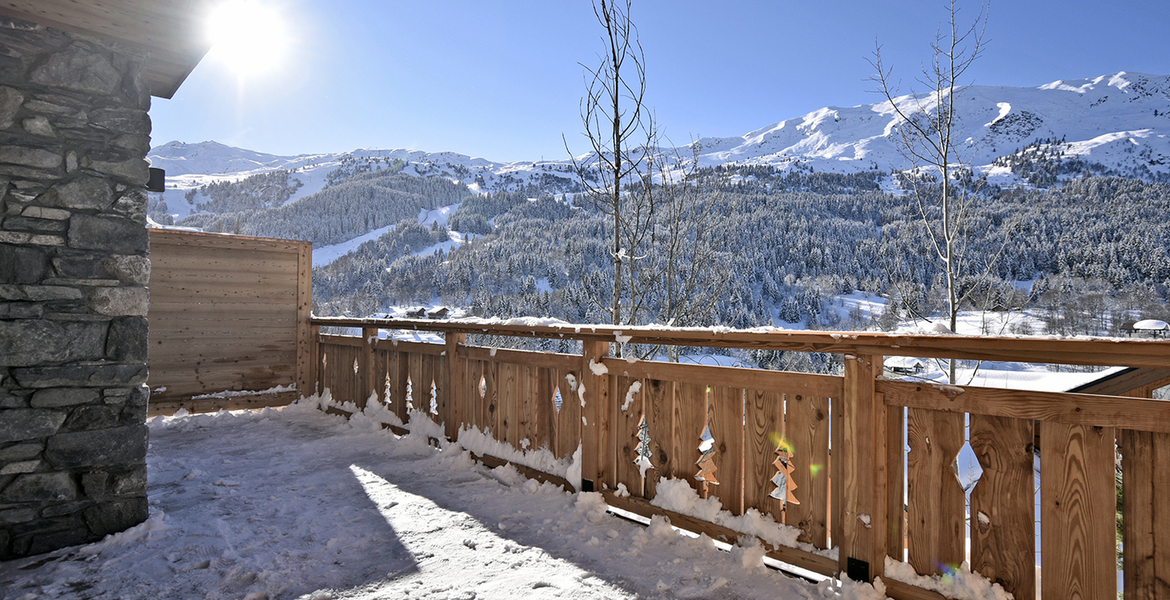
<point x="848" y="437"/>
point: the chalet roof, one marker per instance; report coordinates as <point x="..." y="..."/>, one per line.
<point x="171" y="31"/>
<point x="1151" y="325"/>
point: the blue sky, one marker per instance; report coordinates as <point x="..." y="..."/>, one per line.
<point x="501" y="79"/>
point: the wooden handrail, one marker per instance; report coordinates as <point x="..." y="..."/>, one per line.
<point x="1079" y="351"/>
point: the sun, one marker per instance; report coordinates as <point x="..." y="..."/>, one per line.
<point x="250" y="37"/>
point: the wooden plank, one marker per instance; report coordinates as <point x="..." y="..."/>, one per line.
<point x="763" y="433"/>
<point x="690" y="420"/>
<point x="305" y="332"/>
<point x="1078" y="409"/>
<point x="1077" y="512"/>
<point x="626" y="413"/>
<point x="548" y="360"/>
<point x="443" y="410"/>
<point x="413" y="347"/>
<point x="169" y="407"/>
<point x="896" y="482"/>
<point x="199" y="239"/>
<point x="473" y="376"/>
<point x="792" y="556"/>
<point x="525" y="415"/>
<point x="1003" y="504"/>
<point x="659" y="405"/>
<point x="366" y="369"/>
<point x="1135" y="353"/>
<point x="545" y="423"/>
<point x="595" y="465"/>
<point x="429" y="372"/>
<point x="859" y="468"/>
<point x="569" y="415"/>
<point x="725" y="419"/>
<point x="491" y="403"/>
<point x="399" y="368"/>
<point x="904" y="591"/>
<point x="759" y="379"/>
<point x="806" y="428"/>
<point x="417" y="385"/>
<point x="935" y="502"/>
<point x="509" y="400"/>
<point x="1145" y="457"/>
<point x="458" y="395"/>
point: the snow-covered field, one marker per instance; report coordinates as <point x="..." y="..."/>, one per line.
<point x="294" y="503"/>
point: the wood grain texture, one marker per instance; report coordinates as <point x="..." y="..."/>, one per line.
<point x="595" y="462"/>
<point x="624" y="421"/>
<point x="807" y="430"/>
<point x="1003" y="503"/>
<point x="936" y="502"/>
<point x="1077" y="512"/>
<point x="896" y="482"/>
<point x="725" y="419"/>
<point x="1135" y="353"/>
<point x="227" y="314"/>
<point x="509" y="400"/>
<point x="1082" y="409"/>
<point x="690" y="419"/>
<point x="763" y="428"/>
<point x="569" y="415"/>
<point x="659" y="401"/>
<point x="1145" y="457"/>
<point x="759" y="379"/>
<point x="859" y="475"/>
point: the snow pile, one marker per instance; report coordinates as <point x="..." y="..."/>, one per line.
<point x="960" y="583"/>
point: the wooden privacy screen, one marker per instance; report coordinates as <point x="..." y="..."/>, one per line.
<point x="227" y="313"/>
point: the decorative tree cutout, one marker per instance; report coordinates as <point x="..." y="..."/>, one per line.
<point x="355" y="366"/>
<point x="706" y="460"/>
<point x="783" y="478"/>
<point x="643" y="447"/>
<point x="482" y="387"/>
<point x="409" y="394"/>
<point x="434" y="399"/>
<point x="557" y="399"/>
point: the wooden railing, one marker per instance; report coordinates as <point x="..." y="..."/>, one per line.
<point x="847" y="436"/>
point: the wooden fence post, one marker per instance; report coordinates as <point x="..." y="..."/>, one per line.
<point x="860" y="471"/>
<point x="314" y="377"/>
<point x="595" y="464"/>
<point x="307" y="333"/>
<point x="366" y="363"/>
<point x="456" y="386"/>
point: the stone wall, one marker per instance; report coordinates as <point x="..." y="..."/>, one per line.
<point x="74" y="133"/>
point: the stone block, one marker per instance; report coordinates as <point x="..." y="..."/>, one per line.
<point x="38" y="293"/>
<point x="80" y="264"/>
<point x="35" y="225"/>
<point x="64" y="509"/>
<point x="21" y="424"/>
<point x="17" y="515"/>
<point x="36" y="239"/>
<point x="128" y="339"/>
<point x="118" y="515"/>
<point x="21" y="452"/>
<point x="41" y="342"/>
<point x="95" y="484"/>
<point x="132" y="205"/>
<point x="132" y="170"/>
<point x="10" y="103"/>
<point x="79" y="69"/>
<point x="121" y="120"/>
<point x="86" y="374"/>
<point x="40" y="212"/>
<point x="22" y="264"/>
<point x="115" y="446"/>
<point x="86" y="418"/>
<point x="85" y="193"/>
<point x="40" y="126"/>
<point x="112" y="234"/>
<point x="59" y="397"/>
<point x="40" y="487"/>
<point x="129" y="268"/>
<point x="36" y="158"/>
<point x="131" y="482"/>
<point x="24" y="466"/>
<point x="120" y="301"/>
<point x="21" y="310"/>
<point x="60" y="537"/>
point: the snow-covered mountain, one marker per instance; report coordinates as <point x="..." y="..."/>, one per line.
<point x="1118" y="122"/>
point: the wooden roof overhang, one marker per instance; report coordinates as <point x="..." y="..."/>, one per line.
<point x="170" y="31"/>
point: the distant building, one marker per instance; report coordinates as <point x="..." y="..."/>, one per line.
<point x="905" y="365"/>
<point x="1151" y="327"/>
